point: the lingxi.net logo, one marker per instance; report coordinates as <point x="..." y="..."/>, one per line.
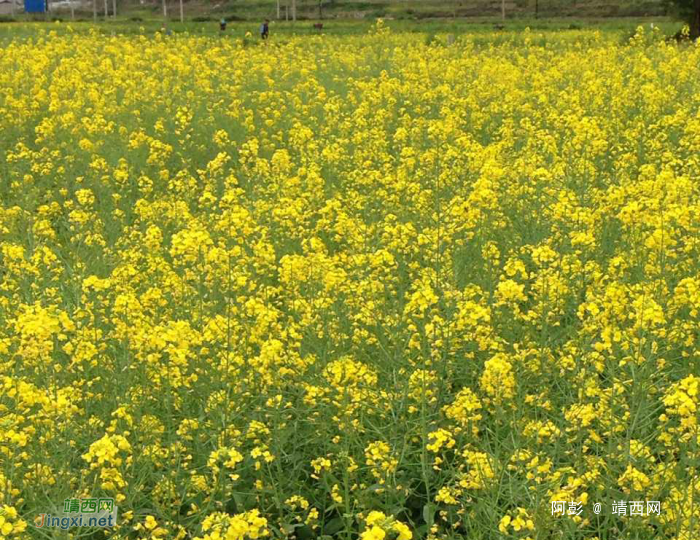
<point x="88" y="512"/>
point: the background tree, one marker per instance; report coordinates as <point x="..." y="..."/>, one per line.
<point x="690" y="11"/>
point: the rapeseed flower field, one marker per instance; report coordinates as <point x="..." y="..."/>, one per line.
<point x="367" y="287"/>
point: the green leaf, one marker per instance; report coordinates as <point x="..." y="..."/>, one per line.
<point x="429" y="513"/>
<point x="333" y="526"/>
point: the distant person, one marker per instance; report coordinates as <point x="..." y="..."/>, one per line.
<point x="265" y="29"/>
<point x="222" y="24"/>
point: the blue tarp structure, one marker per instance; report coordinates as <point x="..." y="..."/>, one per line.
<point x="34" y="6"/>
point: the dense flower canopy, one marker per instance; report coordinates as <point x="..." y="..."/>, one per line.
<point x="359" y="286"/>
